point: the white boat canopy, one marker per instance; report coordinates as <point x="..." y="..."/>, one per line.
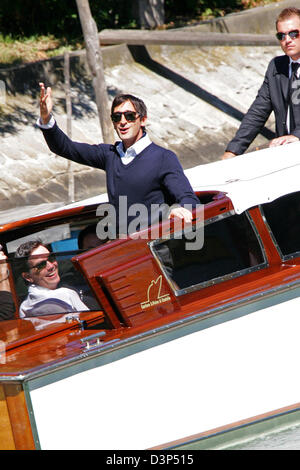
<point x="248" y="180"/>
<point x="253" y="178"/>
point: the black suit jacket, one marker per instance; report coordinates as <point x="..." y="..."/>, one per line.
<point x="272" y="96"/>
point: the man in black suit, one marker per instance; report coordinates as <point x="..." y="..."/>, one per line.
<point x="274" y="94"/>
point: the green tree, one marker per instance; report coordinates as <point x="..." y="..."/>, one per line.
<point x="60" y="17"/>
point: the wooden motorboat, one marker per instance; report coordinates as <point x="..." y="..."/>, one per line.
<point x="184" y="347"/>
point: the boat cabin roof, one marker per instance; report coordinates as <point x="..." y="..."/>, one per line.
<point x="251" y="179"/>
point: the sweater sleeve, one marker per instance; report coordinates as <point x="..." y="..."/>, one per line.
<point x="175" y="181"/>
<point x="86" y="154"/>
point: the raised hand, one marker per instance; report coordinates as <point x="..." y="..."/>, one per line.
<point x="46" y="103"/>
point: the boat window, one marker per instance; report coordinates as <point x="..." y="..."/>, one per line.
<point x="282" y="217"/>
<point x="230" y="248"/>
<point x="65" y="240"/>
<point x="55" y="234"/>
<point x="66" y="289"/>
<point x="78" y="235"/>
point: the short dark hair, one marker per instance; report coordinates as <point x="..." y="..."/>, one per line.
<point x="25" y="250"/>
<point x="287" y="13"/>
<point x="90" y="229"/>
<point x="138" y="104"/>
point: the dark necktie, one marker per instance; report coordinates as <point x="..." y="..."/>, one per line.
<point x="294" y="105"/>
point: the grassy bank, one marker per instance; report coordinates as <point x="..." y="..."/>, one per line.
<point x="17" y="51"/>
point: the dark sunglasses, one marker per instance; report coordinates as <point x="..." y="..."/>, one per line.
<point x="293" y="35"/>
<point x="40" y="266"/>
<point x="130" y="116"/>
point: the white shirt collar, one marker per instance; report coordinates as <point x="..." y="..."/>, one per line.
<point x="135" y="149"/>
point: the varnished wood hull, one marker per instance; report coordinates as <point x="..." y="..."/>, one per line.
<point x="172" y="387"/>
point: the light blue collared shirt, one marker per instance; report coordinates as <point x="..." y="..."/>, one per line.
<point x="46" y="126"/>
<point x="130" y="153"/>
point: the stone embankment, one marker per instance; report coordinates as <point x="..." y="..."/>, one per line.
<point x="196" y="97"/>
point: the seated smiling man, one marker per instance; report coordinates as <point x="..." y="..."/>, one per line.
<point x="40" y="271"/>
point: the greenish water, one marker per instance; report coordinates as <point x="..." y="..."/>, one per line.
<point x="288" y="439"/>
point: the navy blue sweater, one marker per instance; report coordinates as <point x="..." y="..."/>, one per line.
<point x="155" y="176"/>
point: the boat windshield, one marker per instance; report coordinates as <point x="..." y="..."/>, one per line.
<point x="230" y="248"/>
<point x="282" y="217"/>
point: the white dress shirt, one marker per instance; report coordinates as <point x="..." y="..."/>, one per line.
<point x="128" y="155"/>
<point x="43" y="301"/>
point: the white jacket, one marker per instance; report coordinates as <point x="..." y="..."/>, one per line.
<point x="42" y="301"/>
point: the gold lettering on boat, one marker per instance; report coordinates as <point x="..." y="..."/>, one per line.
<point x="154" y="296"/>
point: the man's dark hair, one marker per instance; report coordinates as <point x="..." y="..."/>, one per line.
<point x="25" y="250"/>
<point x="287" y="13"/>
<point x="138" y="104"/>
<point x="90" y="229"/>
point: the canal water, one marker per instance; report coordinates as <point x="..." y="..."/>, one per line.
<point x="288" y="439"/>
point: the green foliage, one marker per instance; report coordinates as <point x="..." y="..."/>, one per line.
<point x="25" y="18"/>
<point x="200" y="8"/>
<point x="113" y="13"/>
<point x="31" y="17"/>
<point x="60" y="17"/>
